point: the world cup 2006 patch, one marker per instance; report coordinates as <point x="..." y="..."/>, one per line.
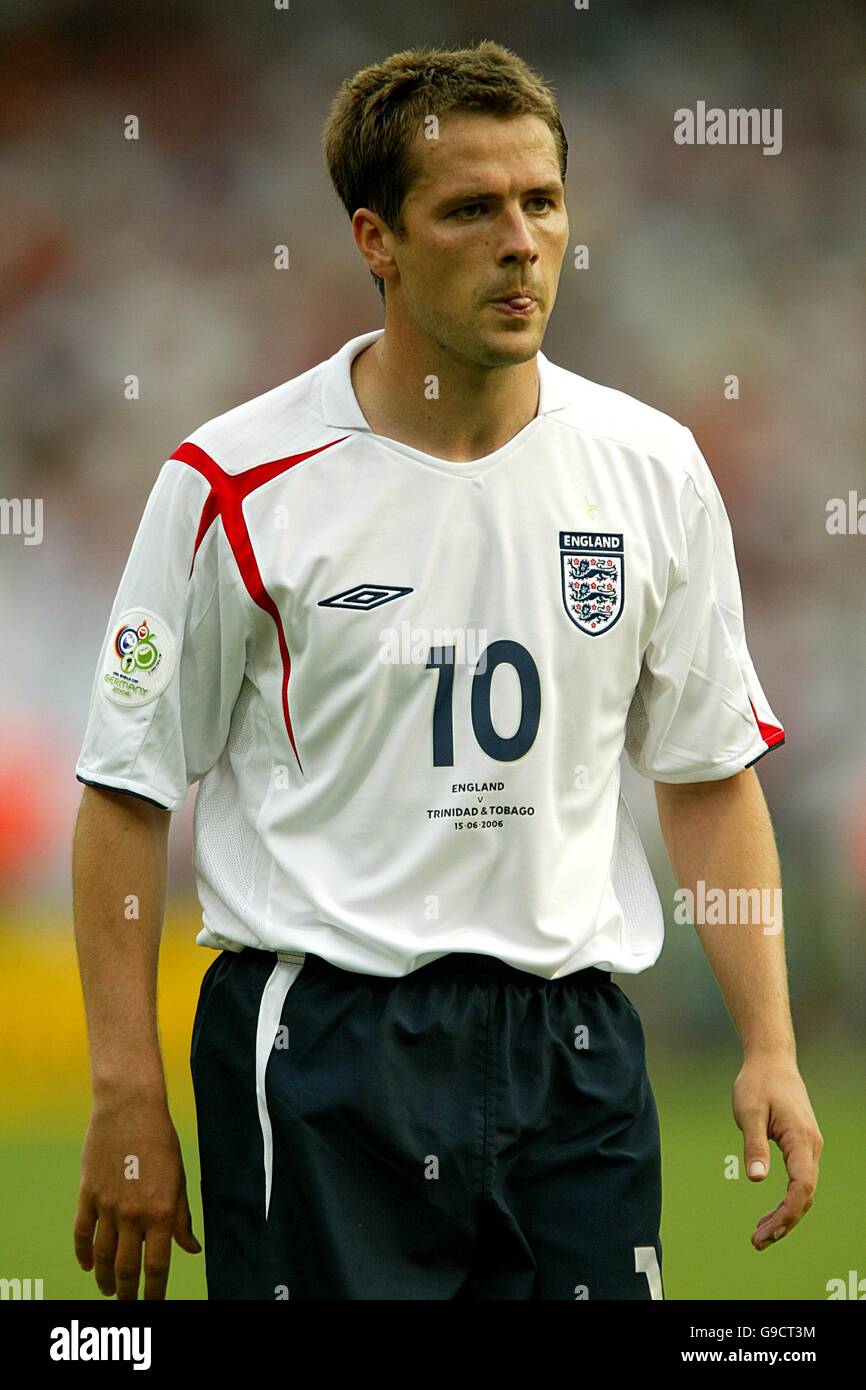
<point x="593" y="578"/>
<point x="139" y="660"/>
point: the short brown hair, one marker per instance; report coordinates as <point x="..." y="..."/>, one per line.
<point x="377" y="113"/>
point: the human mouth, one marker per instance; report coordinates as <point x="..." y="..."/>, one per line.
<point x="518" y="305"/>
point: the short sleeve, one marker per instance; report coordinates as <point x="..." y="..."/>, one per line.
<point x="699" y="712"/>
<point x="174" y="653"/>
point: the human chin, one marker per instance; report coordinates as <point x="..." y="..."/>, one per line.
<point x="495" y="348"/>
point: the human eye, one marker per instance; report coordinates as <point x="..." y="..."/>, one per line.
<point x="467" y="207"/>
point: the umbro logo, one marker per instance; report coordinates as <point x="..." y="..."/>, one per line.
<point x="364" y="596"/>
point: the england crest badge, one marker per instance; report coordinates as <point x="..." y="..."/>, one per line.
<point x="593" y="578"/>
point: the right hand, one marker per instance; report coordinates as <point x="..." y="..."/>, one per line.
<point x="146" y="1210"/>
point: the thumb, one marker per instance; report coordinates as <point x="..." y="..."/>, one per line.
<point x="182" y="1231"/>
<point x="757" y="1156"/>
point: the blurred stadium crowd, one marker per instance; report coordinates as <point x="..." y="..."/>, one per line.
<point x="155" y="258"/>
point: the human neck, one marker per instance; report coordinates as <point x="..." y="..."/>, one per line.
<point x="473" y="412"/>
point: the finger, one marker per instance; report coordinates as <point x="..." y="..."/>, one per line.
<point x="797" y="1200"/>
<point x="764" y="1237"/>
<point x="766" y="1225"/>
<point x="127" y="1264"/>
<point x="764" y="1233"/>
<point x="104" y="1251"/>
<point x="157" y="1258"/>
<point x="802" y="1157"/>
<point x="769" y="1215"/>
<point x="756" y="1145"/>
<point x="801" y="1160"/>
<point x="83" y="1230"/>
<point x="183" y="1226"/>
<point x="787" y="1215"/>
<point x="757" y="1160"/>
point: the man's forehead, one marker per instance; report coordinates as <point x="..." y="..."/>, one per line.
<point x="480" y="147"/>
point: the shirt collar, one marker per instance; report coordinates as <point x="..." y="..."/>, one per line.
<point x="340" y="407"/>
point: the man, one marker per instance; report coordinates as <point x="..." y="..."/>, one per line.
<point x="400" y="617"/>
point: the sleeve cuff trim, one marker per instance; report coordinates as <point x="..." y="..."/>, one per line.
<point x="114" y="784"/>
<point x="775" y="743"/>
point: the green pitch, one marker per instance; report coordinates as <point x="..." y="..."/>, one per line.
<point x="707" y="1219"/>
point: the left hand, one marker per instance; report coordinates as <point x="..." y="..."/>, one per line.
<point x="770" y="1102"/>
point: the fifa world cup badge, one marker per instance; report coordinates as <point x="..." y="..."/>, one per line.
<point x="139" y="658"/>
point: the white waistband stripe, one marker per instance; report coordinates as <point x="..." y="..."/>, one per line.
<point x="279" y="983"/>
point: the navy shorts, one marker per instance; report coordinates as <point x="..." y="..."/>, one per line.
<point x="465" y="1131"/>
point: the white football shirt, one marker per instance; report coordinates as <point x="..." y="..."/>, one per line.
<point x="404" y="684"/>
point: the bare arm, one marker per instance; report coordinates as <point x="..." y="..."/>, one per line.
<point x="132" y="1180"/>
<point x="118" y="892"/>
<point x="721" y="833"/>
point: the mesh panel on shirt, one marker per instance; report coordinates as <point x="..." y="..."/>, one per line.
<point x="227" y="846"/>
<point x="242" y="730"/>
<point x="637" y="722"/>
<point x="632" y="879"/>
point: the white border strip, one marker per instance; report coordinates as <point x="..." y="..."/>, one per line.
<point x="279" y="983"/>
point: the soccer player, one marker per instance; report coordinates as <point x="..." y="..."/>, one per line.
<point x="400" y="617"/>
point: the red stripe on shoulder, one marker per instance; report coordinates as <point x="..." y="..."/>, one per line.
<point x="225" y="499"/>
